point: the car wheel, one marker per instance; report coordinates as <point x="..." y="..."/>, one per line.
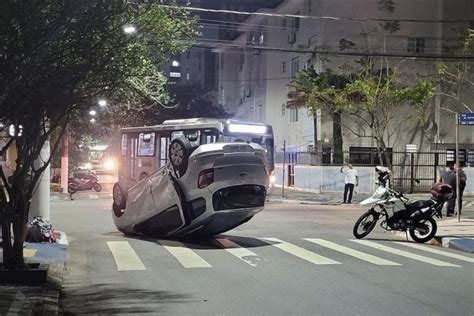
<point x="179" y="151"/>
<point x="119" y="197"/>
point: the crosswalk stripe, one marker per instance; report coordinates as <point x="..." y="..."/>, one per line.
<point x="238" y="251"/>
<point x="300" y="252"/>
<point x="436" y="251"/>
<point x="125" y="257"/>
<point x="187" y="257"/>
<point x="93" y="197"/>
<point x="404" y="253"/>
<point x="352" y="252"/>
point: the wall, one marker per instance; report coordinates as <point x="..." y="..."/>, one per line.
<point x="329" y="179"/>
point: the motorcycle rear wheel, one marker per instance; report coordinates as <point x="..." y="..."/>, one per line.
<point x="422" y="224"/>
<point x="367" y="222"/>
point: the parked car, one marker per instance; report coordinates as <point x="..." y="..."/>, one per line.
<point x="203" y="190"/>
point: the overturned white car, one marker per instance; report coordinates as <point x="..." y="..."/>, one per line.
<point x="205" y="187"/>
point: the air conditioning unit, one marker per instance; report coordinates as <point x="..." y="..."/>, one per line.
<point x="292" y="38"/>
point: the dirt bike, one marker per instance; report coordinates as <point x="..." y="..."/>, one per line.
<point x="398" y="213"/>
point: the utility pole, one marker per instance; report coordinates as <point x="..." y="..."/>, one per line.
<point x="40" y="203"/>
<point x="65" y="163"/>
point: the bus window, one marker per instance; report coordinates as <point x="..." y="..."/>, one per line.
<point x="209" y="136"/>
<point x="124" y="144"/>
<point x="146" y="144"/>
<point x="163" y="151"/>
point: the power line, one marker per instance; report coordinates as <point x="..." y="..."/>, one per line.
<point x="327" y="52"/>
<point x="333" y="18"/>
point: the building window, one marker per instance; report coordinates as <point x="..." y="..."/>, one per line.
<point x="283" y="109"/>
<point x="295" y="66"/>
<point x="283" y="67"/>
<point x="293" y="113"/>
<point x="368" y="156"/>
<point x="451" y="157"/>
<point x="416" y="45"/>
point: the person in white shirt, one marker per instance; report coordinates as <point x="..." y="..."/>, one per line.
<point x="351" y="179"/>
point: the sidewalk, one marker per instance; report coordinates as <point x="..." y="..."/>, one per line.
<point x="451" y="233"/>
<point x="38" y="299"/>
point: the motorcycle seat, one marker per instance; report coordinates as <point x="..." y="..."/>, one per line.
<point x="419" y="204"/>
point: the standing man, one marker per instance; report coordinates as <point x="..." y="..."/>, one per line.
<point x="351" y="179"/>
<point x="462" y="184"/>
<point x="449" y="177"/>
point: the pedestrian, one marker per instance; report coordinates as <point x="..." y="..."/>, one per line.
<point x="462" y="184"/>
<point x="449" y="177"/>
<point x="351" y="179"/>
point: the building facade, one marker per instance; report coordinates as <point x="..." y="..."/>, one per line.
<point x="258" y="65"/>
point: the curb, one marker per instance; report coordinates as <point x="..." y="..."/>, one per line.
<point x="303" y="202"/>
<point x="462" y="244"/>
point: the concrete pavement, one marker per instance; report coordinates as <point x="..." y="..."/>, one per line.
<point x="451" y="232"/>
<point x="39" y="299"/>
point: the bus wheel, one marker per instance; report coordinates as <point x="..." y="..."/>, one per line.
<point x="119" y="196"/>
<point x="179" y="154"/>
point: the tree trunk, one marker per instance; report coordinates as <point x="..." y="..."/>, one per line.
<point x="19" y="235"/>
<point x="338" y="157"/>
<point x="7" y="244"/>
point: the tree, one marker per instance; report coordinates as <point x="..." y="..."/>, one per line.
<point x="374" y="98"/>
<point x="324" y="92"/>
<point x="455" y="78"/>
<point x="57" y="57"/>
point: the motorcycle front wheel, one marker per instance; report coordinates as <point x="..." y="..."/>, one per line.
<point x="97" y="187"/>
<point x="365" y="224"/>
<point x="423" y="230"/>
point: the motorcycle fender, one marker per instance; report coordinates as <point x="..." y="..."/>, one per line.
<point x="370" y="201"/>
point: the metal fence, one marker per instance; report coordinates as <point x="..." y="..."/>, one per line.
<point x="411" y="172"/>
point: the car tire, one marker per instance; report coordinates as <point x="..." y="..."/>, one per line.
<point x="119" y="197"/>
<point x="179" y="152"/>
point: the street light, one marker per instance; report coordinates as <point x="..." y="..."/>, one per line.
<point x="129" y="29"/>
<point x="102" y="102"/>
<point x="92" y="120"/>
<point x="92" y="112"/>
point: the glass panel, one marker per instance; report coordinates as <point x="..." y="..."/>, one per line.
<point x="146" y="144"/>
<point x="124" y="144"/>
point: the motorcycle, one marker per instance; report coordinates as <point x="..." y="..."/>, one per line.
<point x="83" y="182"/>
<point x="398" y="213"/>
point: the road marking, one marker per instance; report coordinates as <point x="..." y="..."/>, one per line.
<point x="29" y="253"/>
<point x="300" y="252"/>
<point x="238" y="251"/>
<point x="125" y="257"/>
<point x="406" y="254"/>
<point x="436" y="251"/>
<point x="93" y="197"/>
<point x="187" y="257"/>
<point x="352" y="252"/>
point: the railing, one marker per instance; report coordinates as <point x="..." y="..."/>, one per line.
<point x="411" y="172"/>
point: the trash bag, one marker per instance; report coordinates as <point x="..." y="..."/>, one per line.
<point x="40" y="230"/>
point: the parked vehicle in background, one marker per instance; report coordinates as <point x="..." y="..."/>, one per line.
<point x="192" y="177"/>
<point x="83" y="180"/>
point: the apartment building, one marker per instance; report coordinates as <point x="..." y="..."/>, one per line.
<point x="256" y="69"/>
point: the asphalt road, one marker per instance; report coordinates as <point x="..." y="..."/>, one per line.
<point x="265" y="267"/>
